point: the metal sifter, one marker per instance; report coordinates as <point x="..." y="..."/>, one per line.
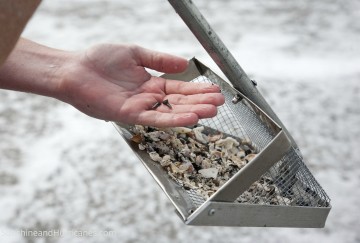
<point x="275" y="189"/>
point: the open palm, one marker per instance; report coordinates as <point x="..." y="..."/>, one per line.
<point x="110" y="82"/>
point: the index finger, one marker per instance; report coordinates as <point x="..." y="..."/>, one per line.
<point x="189" y="88"/>
<point x="160" y="61"/>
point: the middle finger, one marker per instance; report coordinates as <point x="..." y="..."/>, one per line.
<point x="202" y="110"/>
<point x="216" y="99"/>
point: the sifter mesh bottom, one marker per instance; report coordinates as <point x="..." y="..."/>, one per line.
<point x="288" y="182"/>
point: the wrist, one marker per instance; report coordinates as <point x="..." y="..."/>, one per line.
<point x="34" y="68"/>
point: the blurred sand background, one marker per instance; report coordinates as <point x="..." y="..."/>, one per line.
<point x="60" y="169"/>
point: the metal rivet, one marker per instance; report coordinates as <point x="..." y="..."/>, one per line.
<point x="254" y="82"/>
<point x="211" y="212"/>
<point x="236" y="99"/>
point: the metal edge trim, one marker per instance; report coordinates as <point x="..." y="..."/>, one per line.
<point x="250" y="215"/>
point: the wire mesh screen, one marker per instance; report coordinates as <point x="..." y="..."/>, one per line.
<point x="288" y="182"/>
<point x="225" y="120"/>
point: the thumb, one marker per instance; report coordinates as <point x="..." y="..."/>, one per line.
<point x="159" y="61"/>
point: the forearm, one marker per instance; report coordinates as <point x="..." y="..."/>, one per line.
<point x="33" y="68"/>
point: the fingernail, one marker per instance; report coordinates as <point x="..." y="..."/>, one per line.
<point x="212" y="88"/>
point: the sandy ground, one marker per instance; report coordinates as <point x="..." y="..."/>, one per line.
<point x="61" y="170"/>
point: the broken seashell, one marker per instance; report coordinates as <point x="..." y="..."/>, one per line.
<point x="186" y="151"/>
<point x="187" y="166"/>
<point x="216" y="154"/>
<point x="227" y="143"/>
<point x="249" y="157"/>
<point x="162" y="148"/>
<point x="206" y="163"/>
<point x="163" y="135"/>
<point x="137" y="138"/>
<point x="181" y="130"/>
<point x="154" y="136"/>
<point x="138" y="129"/>
<point x="247" y="142"/>
<point x="198" y="159"/>
<point x="165" y="161"/>
<point x="214" y="138"/>
<point x="199" y="136"/>
<point x="209" y="173"/>
<point x="238" y="161"/>
<point x="155" y="156"/>
<point x="241" y="154"/>
<point x="141" y="146"/>
<point x="176" y="143"/>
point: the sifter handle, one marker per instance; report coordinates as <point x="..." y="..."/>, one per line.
<point x="222" y="56"/>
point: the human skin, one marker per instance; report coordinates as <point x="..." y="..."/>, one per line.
<point x="110" y="82"/>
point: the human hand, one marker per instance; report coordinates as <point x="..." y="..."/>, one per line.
<point x="110" y="82"/>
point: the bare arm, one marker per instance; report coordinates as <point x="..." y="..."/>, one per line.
<point x="107" y="81"/>
<point x="33" y="68"/>
<point x="110" y="82"/>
